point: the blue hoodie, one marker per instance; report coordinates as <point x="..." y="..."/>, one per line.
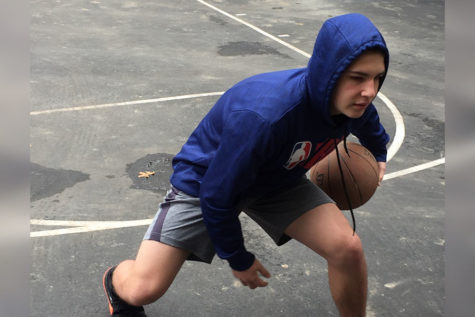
<point x="266" y="131"/>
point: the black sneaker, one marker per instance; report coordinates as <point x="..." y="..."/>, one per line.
<point x="118" y="307"/>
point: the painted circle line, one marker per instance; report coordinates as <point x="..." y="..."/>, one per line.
<point x="398" y="136"/>
<point x="88" y="226"/>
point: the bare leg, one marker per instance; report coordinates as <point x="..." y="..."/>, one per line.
<point x="349" y="288"/>
<point x="326" y="231"/>
<point x="145" y="279"/>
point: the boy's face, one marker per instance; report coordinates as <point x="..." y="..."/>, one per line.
<point x="358" y="85"/>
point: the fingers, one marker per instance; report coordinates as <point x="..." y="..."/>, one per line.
<point x="264" y="271"/>
<point x="382" y="170"/>
<point x="255" y="283"/>
<point x="258" y="282"/>
<point x="381" y="175"/>
<point x="259" y="268"/>
<point x="250" y="277"/>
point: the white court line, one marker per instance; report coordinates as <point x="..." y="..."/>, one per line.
<point x="88" y="226"/>
<point x="414" y="169"/>
<point x="392" y="150"/>
<point x="126" y="103"/>
<point x="255" y="28"/>
<point x="399" y="134"/>
<point x="400" y="127"/>
<point x="83" y="226"/>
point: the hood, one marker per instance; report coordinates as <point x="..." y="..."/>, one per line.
<point x="340" y="41"/>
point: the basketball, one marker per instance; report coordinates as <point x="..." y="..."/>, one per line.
<point x="360" y="172"/>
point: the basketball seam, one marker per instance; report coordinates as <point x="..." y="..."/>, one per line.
<point x="353" y="179"/>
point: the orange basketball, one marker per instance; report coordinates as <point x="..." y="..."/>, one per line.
<point x="360" y="172"/>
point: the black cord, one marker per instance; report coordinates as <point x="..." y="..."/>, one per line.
<point x="348" y="200"/>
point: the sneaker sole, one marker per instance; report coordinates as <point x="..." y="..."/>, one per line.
<point x="111" y="310"/>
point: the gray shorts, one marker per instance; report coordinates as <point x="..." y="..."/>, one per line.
<point x="179" y="221"/>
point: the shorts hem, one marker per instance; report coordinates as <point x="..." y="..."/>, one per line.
<point x="194" y="256"/>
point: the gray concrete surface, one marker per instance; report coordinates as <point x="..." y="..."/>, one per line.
<point x="85" y="160"/>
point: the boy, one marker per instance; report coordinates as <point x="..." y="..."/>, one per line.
<point x="250" y="153"/>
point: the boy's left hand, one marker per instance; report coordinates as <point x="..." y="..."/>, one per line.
<point x="382" y="169"/>
<point x="251" y="276"/>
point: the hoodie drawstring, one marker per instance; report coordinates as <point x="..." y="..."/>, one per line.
<point x="348" y="200"/>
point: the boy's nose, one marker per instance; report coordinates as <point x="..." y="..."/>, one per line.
<point x="369" y="89"/>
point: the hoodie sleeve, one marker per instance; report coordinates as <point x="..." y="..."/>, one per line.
<point x="234" y="166"/>
<point x="371" y="133"/>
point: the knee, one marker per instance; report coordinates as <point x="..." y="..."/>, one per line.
<point x="143" y="292"/>
<point x="347" y="252"/>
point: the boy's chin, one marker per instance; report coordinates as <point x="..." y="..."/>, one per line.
<point x="354" y="114"/>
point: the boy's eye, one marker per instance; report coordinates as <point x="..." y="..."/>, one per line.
<point x="379" y="78"/>
<point x="357" y="78"/>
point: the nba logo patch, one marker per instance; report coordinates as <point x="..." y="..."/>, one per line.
<point x="300" y="153"/>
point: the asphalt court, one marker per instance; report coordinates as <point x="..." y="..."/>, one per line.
<point x="117" y="84"/>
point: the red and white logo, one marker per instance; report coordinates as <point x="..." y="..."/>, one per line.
<point x="300" y="153"/>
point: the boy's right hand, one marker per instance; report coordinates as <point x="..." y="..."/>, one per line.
<point x="250" y="277"/>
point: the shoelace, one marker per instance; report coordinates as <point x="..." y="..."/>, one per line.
<point x="348" y="200"/>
